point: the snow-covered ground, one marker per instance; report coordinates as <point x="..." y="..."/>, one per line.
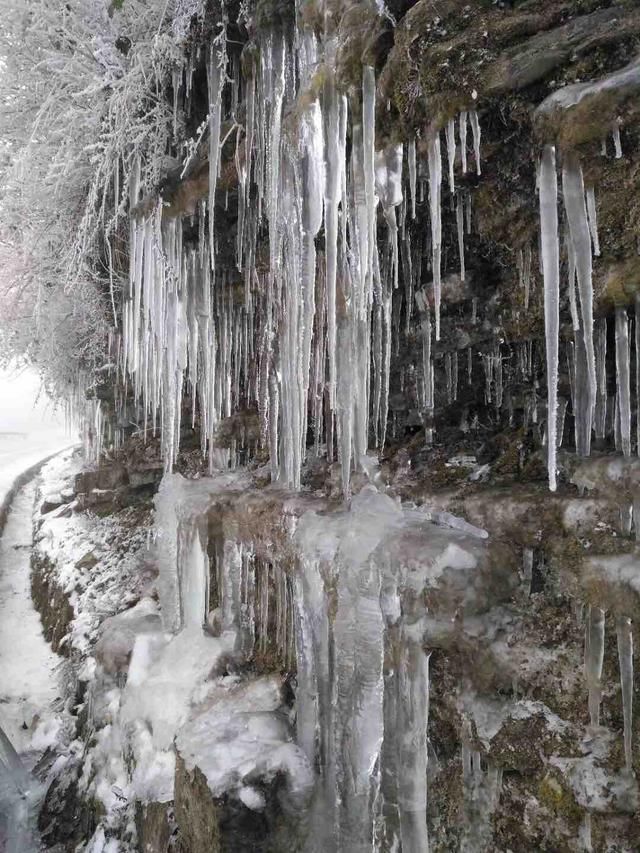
<point x="28" y="667"/>
<point x="21" y="451"/>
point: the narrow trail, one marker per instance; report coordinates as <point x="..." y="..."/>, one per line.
<point x="28" y="667"/>
<point x="28" y="682"/>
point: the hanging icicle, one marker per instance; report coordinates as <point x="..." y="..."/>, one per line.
<point x="551" y="268"/>
<point x="435" y="182"/>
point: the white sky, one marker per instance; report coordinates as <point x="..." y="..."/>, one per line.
<point x="19" y="411"/>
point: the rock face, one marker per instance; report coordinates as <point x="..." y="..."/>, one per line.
<point x="386" y="314"/>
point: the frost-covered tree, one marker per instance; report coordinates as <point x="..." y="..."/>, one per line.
<point x="82" y="106"/>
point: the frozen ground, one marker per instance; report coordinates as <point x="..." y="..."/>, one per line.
<point x="28" y="666"/>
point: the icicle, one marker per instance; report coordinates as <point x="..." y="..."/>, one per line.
<point x="411" y="160"/>
<point x="551" y="267"/>
<point x="475" y="127"/>
<point x="637" y="342"/>
<point x="331" y="201"/>
<point x="574" y="202"/>
<point x="215" y="80"/>
<point x="585" y="833"/>
<point x="413" y="720"/>
<point x="467" y="206"/>
<point x="460" y="228"/>
<point x="601" y="377"/>
<point x="454" y="371"/>
<point x="463" y="140"/>
<point x="527" y="568"/>
<point x="526" y="275"/>
<point x="625" y="659"/>
<point x="435" y="181"/>
<point x="623" y="372"/>
<point x="593" y="220"/>
<point x="368" y="138"/>
<point x="562" y="412"/>
<point x="447" y="369"/>
<point x="593" y="659"/>
<point x="571" y="258"/>
<point x="450" y="133"/>
<point x="617" y="144"/>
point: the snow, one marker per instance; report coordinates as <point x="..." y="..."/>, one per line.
<point x="240" y="737"/>
<point x="567" y="97"/>
<point x="29" y="682"/>
<point x="175" y="678"/>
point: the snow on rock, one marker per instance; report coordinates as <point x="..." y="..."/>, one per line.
<point x="176" y="677"/>
<point x="242" y="737"/>
<point x="96" y="562"/>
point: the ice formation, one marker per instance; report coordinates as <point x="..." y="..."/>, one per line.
<point x="593" y="659"/>
<point x="435" y="186"/>
<point x="551" y="267"/>
<point x="585" y="373"/>
<point x="625" y="658"/>
<point x="623" y="379"/>
<point x="354" y="724"/>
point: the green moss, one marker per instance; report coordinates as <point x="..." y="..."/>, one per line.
<point x="558" y="799"/>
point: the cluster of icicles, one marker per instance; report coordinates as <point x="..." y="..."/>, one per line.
<point x="593" y="661"/>
<point x="594" y="644"/>
<point x="588" y="370"/>
<point x="303" y="336"/>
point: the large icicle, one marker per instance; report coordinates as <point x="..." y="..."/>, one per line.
<point x="368" y="141"/>
<point x="216" y="73"/>
<point x="450" y="133"/>
<point x="411" y="162"/>
<point x="463" y="140"/>
<point x="574" y="203"/>
<point x="600" y="420"/>
<point x="593" y="659"/>
<point x="333" y="170"/>
<point x="435" y="187"/>
<point x="475" y="128"/>
<point x="625" y="659"/>
<point x="460" y="230"/>
<point x="623" y="374"/>
<point x="637" y="342"/>
<point x="413" y="719"/>
<point x="551" y="269"/>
